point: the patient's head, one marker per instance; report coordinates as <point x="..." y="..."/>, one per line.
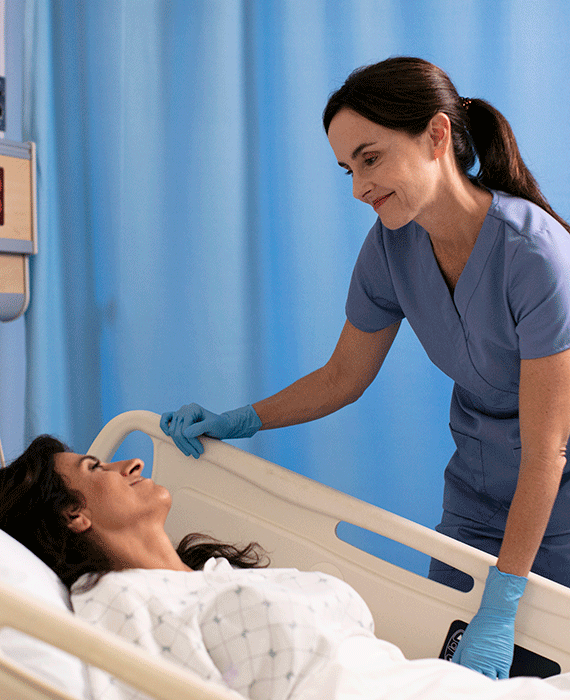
<point x="116" y="499"/>
<point x="34" y="505"/>
<point x="80" y="515"/>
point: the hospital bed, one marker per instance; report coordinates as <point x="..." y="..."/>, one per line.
<point x="238" y="497"/>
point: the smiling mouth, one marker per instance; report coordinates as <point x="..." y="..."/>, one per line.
<point x="380" y="201"/>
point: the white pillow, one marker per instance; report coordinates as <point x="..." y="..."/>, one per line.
<point x="23" y="569"/>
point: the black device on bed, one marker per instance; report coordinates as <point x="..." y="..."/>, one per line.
<point x="525" y="662"/>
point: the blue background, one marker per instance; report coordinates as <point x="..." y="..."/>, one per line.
<point x="196" y="235"/>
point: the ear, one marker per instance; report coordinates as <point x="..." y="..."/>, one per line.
<point x="78" y="521"/>
<point x="439" y="131"/>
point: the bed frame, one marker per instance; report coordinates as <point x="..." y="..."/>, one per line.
<point x="238" y="497"/>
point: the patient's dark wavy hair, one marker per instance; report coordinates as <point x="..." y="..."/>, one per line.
<point x="404" y="93"/>
<point x="35" y="501"/>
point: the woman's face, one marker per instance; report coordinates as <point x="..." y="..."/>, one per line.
<point x="393" y="172"/>
<point x="116" y="496"/>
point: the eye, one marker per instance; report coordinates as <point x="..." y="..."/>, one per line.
<point x="370" y="160"/>
<point x="94" y="465"/>
<point x="348" y="172"/>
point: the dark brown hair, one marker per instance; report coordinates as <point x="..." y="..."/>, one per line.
<point x="404" y="93"/>
<point x="34" y="501"/>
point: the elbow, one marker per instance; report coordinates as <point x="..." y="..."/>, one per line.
<point x="354" y="395"/>
<point x="346" y="388"/>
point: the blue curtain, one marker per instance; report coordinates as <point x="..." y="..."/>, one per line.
<point x="197" y="236"/>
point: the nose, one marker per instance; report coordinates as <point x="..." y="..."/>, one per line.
<point x="360" y="187"/>
<point x="127" y="467"/>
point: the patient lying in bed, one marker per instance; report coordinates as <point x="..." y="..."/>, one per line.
<point x="263" y="633"/>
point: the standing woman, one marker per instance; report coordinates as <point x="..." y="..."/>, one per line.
<point x="480" y="267"/>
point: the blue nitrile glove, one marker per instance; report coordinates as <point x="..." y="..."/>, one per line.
<point x="488" y="642"/>
<point x="188" y="422"/>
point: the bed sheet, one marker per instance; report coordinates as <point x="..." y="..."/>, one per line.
<point x="366" y="669"/>
<point x="279" y="635"/>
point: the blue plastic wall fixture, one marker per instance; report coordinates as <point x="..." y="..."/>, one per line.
<point x="18" y="225"/>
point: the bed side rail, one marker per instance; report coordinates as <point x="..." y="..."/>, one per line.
<point x="238" y="497"/>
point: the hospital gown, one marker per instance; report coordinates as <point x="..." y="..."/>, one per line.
<point x="260" y="632"/>
<point x="275" y="634"/>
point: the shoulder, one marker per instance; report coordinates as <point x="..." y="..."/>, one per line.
<point x="530" y="237"/>
<point x="116" y="586"/>
<point x="526" y="222"/>
<point x="128" y="584"/>
<point x="389" y="248"/>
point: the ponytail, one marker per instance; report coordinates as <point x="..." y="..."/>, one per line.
<point x="501" y="166"/>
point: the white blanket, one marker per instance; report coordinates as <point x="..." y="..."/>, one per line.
<point x="275" y="634"/>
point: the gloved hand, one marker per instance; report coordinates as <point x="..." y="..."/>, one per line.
<point x="488" y="642"/>
<point x="184" y="426"/>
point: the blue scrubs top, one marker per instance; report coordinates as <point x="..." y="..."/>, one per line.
<point x="511" y="302"/>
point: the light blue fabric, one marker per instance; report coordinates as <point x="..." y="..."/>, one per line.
<point x="196" y="235"/>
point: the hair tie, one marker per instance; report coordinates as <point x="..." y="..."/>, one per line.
<point x="465" y="102"/>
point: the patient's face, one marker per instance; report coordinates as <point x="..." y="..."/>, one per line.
<point x="117" y="497"/>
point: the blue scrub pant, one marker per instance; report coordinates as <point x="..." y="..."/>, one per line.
<point x="552" y="560"/>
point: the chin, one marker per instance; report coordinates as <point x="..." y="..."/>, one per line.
<point x="393" y="217"/>
<point x="393" y="223"/>
<point x="162" y="494"/>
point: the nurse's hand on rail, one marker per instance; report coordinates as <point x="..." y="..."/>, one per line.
<point x="185" y="425"/>
<point x="488" y="642"/>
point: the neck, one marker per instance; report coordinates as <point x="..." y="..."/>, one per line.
<point x="457" y="213"/>
<point x="143" y="550"/>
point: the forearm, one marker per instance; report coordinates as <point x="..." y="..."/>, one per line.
<point x="316" y="395"/>
<point x="352" y="367"/>
<point x="544" y="415"/>
<point x="529" y="514"/>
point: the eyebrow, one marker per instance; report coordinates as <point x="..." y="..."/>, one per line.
<point x="357" y="152"/>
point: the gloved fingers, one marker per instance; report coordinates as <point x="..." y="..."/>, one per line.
<point x="182" y="447"/>
<point x="187" y="446"/>
<point x="193" y="430"/>
<point x="196" y="447"/>
<point x="212" y="425"/>
<point x="190" y="447"/>
<point x="177" y="425"/>
<point x="165" y="421"/>
<point x="475" y="665"/>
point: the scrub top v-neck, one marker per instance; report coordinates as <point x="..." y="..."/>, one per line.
<point x="511" y="302"/>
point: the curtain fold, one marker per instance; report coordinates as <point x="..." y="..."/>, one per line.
<point x="197" y="236"/>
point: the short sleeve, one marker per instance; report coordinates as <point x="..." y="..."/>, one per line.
<point x="539" y="294"/>
<point x="372" y="303"/>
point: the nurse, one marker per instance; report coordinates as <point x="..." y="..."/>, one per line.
<point x="480" y="267"/>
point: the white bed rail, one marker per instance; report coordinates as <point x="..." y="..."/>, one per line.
<point x="238" y="497"/>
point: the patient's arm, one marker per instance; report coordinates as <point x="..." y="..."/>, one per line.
<point x="352" y="367"/>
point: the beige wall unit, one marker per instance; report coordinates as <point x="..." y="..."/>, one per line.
<point x="17" y="225"/>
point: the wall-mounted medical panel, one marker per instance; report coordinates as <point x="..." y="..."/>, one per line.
<point x="18" y="225"/>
